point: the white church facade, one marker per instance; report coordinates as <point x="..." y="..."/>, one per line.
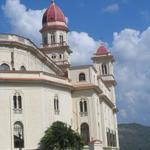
<point x="38" y="86"/>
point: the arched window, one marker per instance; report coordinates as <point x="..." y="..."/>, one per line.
<point x="56" y="104"/>
<point x="4" y="67"/>
<point x="53" y="56"/>
<point x="82" y="77"/>
<point x="104" y="69"/>
<point x="23" y="68"/>
<point x="53" y="39"/>
<point x="18" y="135"/>
<point x="61" y="39"/>
<point x="81" y="106"/>
<point x="17" y="103"/>
<point x="85" y="133"/>
<point x="45" y="41"/>
<point x="85" y="106"/>
<point x="60" y="56"/>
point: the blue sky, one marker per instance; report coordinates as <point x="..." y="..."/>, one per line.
<point x="124" y="25"/>
<point x="89" y="16"/>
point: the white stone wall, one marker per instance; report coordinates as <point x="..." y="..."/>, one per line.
<point x="23" y="58"/>
<point x="37" y="114"/>
<point x="90" y="74"/>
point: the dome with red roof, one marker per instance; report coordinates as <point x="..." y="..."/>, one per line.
<point x="53" y="14"/>
<point x="102" y="50"/>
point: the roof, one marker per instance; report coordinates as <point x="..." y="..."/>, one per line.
<point x="102" y="50"/>
<point x="53" y="14"/>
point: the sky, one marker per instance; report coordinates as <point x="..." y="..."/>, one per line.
<point x="123" y="25"/>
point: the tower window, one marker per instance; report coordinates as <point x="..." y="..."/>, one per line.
<point x="17" y="103"/>
<point x="61" y="39"/>
<point x="60" y="56"/>
<point x="4" y="67"/>
<point x="104" y="69"/>
<point x="45" y="40"/>
<point x="82" y="77"/>
<point x="53" y="56"/>
<point x="18" y="135"/>
<point x="52" y="39"/>
<point x="83" y="108"/>
<point x="56" y="104"/>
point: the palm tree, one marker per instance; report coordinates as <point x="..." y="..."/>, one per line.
<point x="61" y="137"/>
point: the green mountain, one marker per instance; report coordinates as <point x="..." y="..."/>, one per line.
<point x="134" y="137"/>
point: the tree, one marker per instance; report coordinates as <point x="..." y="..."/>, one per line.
<point x="61" y="137"/>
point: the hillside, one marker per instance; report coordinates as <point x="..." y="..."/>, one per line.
<point x="134" y="137"/>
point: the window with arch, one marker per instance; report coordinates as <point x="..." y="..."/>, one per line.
<point x="4" y="67"/>
<point x="23" y="68"/>
<point x="45" y="40"/>
<point x="17" y="103"/>
<point x="104" y="69"/>
<point x="61" y="38"/>
<point x="111" y="138"/>
<point x="56" y="104"/>
<point x="54" y="56"/>
<point x="53" y="39"/>
<point x="85" y="134"/>
<point x="83" y="107"/>
<point x="18" y="135"/>
<point x="82" y="77"/>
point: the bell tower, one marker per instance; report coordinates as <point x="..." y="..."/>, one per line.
<point x="103" y="61"/>
<point x="54" y="36"/>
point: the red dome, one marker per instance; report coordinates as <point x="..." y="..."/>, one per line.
<point x="102" y="50"/>
<point x="52" y="14"/>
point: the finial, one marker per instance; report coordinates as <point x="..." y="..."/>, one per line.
<point x="52" y="1"/>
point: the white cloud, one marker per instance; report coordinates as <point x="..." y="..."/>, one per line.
<point x="130" y="47"/>
<point x="83" y="47"/>
<point x="132" y="51"/>
<point x="26" y="22"/>
<point x="112" y="8"/>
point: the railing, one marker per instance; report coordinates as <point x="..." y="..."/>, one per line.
<point x="83" y="114"/>
<point x="17" y="111"/>
<point x="54" y="44"/>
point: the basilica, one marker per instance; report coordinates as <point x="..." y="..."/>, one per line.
<point x="38" y="86"/>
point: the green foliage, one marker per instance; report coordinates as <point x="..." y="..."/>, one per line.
<point x="61" y="137"/>
<point x="134" y="137"/>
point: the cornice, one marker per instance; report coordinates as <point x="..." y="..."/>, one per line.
<point x="32" y="77"/>
<point x="47" y="49"/>
<point x="87" y="86"/>
<point x="54" y="27"/>
<point x="107" y="100"/>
